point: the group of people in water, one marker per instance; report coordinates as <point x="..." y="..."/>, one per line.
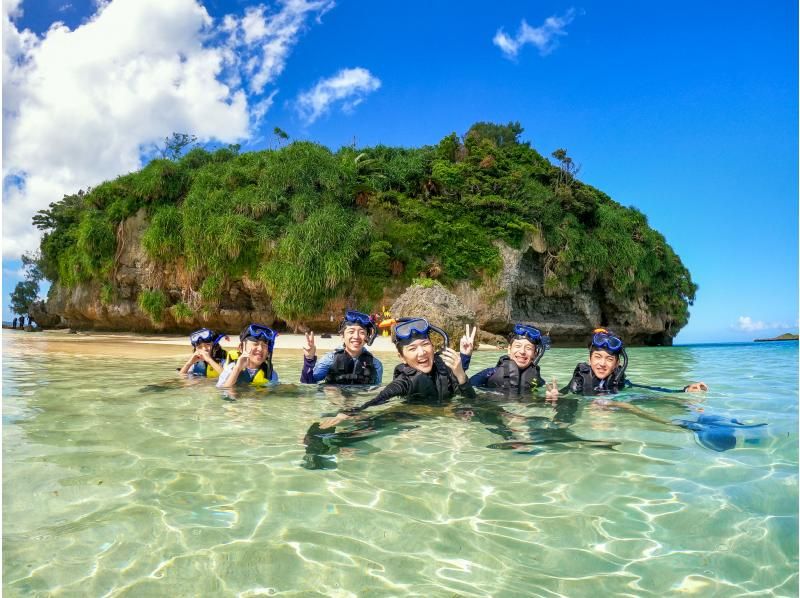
<point x="424" y="374"/>
<point x="433" y="377"/>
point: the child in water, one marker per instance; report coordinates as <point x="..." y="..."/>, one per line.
<point x="254" y="364"/>
<point x="352" y="363"/>
<point x="423" y="375"/>
<point x="604" y="374"/>
<point x="207" y="357"/>
<point x="518" y="372"/>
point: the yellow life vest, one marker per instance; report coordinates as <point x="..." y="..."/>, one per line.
<point x="258" y="380"/>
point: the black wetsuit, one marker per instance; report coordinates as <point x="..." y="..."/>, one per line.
<point x="437" y="386"/>
<point x="586" y="383"/>
<point x="507" y="376"/>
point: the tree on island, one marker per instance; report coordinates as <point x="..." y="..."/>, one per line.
<point x="27" y="291"/>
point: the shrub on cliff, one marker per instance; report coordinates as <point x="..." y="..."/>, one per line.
<point x="311" y="224"/>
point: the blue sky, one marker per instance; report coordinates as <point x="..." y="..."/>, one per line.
<point x="687" y="111"/>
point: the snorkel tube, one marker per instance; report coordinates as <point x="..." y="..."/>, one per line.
<point x="619" y="374"/>
<point x="541" y="347"/>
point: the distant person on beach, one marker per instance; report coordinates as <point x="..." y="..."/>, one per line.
<point x="252" y="363"/>
<point x="352" y="362"/>
<point x="518" y="371"/>
<point x="208" y="357"/>
<point x="424" y="376"/>
<point x="14" y="323"/>
<point x="605" y="371"/>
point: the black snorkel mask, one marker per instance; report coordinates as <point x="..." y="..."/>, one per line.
<point x="540" y="342"/>
<point x="407" y="330"/>
<point x="356" y="318"/>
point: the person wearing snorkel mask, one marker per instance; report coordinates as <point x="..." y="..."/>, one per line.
<point x="424" y="375"/>
<point x="605" y="371"/>
<point x="208" y="358"/>
<point x="252" y="364"/>
<point x="518" y="371"/>
<point x="352" y="363"/>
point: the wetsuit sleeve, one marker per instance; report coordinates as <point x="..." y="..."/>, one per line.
<point x="481" y="378"/>
<point x="465" y="361"/>
<point x="630" y="384"/>
<point x="466" y="390"/>
<point x="323" y="365"/>
<point x="378" y="370"/>
<point x="399" y="387"/>
<point x="575" y="386"/>
<point x="307" y="373"/>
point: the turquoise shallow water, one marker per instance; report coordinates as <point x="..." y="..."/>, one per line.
<point x="120" y="480"/>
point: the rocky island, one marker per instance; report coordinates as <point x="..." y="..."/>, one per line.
<point x="788" y="336"/>
<point x="291" y="236"/>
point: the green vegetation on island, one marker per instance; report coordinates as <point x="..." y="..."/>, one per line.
<point x="786" y="336"/>
<point x="310" y="224"/>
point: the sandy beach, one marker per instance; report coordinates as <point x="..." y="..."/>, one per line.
<point x="144" y="346"/>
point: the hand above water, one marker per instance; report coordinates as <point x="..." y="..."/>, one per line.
<point x="309" y="348"/>
<point x="551" y="392"/>
<point x="453" y="361"/>
<point x="468" y="341"/>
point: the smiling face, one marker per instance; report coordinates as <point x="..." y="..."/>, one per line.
<point x="418" y="355"/>
<point x="521" y="351"/>
<point x="257" y="350"/>
<point x="354" y="337"/>
<point x="603" y="363"/>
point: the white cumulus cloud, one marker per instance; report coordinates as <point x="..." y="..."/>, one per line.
<point x="747" y="324"/>
<point x="545" y="37"/>
<point x="80" y="106"/>
<point x="348" y="87"/>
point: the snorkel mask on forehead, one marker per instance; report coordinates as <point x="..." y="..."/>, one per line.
<point x="205" y="335"/>
<point x="407" y="330"/>
<point x="259" y="332"/>
<point x="540" y="342"/>
<point x="605" y="340"/>
<point x="356" y="318"/>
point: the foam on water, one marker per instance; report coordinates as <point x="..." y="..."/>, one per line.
<point x="121" y="480"/>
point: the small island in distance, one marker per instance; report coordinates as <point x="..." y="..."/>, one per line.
<point x="783" y="337"/>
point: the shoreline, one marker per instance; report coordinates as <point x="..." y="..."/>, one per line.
<point x="157" y="346"/>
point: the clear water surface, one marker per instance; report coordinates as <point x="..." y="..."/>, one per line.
<point x="121" y="480"/>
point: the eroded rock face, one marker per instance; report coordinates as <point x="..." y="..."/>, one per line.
<point x="439" y="306"/>
<point x="517" y="293"/>
<point x="81" y="307"/>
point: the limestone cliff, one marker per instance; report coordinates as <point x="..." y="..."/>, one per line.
<point x="518" y="293"/>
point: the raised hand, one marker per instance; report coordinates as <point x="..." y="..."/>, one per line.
<point x="309" y="349"/>
<point x="453" y="361"/>
<point x="551" y="394"/>
<point x="468" y="340"/>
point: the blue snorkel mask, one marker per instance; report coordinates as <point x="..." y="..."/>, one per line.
<point x="409" y="329"/>
<point x="605" y="340"/>
<point x="540" y="342"/>
<point x="205" y="335"/>
<point x="356" y="318"/>
<point x="260" y="332"/>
